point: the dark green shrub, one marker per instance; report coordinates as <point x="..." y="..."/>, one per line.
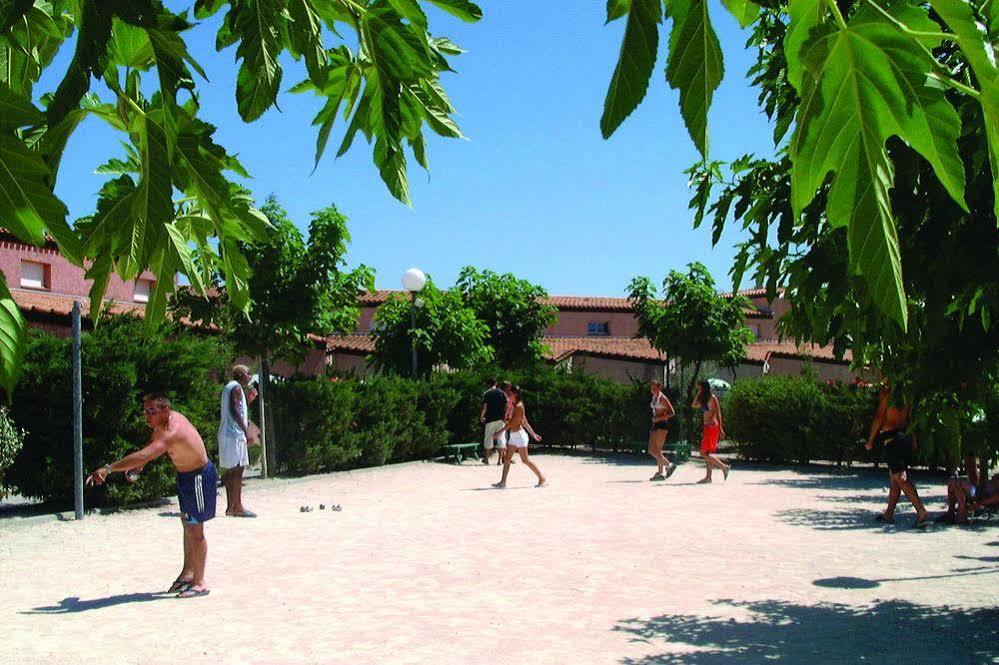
<point x="785" y="419"/>
<point x="774" y="419"/>
<point x="122" y="361"/>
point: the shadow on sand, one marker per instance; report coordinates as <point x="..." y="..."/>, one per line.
<point x="73" y="604"/>
<point x="784" y="632"/>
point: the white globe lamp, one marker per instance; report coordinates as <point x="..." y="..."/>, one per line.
<point x="413" y="280"/>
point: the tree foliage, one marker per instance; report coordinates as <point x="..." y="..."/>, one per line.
<point x="947" y="361"/>
<point x="691" y="324"/>
<point x="870" y="87"/>
<point x="447" y="333"/>
<point x="514" y="311"/>
<point x="298" y="288"/>
<point x="171" y="190"/>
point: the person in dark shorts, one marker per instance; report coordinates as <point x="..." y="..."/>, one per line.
<point x="174" y="435"/>
<point x="494" y="403"/>
<point x="663" y="418"/>
<point x="888" y="431"/>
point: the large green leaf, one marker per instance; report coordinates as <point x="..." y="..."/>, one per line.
<point x="616" y="9"/>
<point x="744" y="11"/>
<point x="259" y="79"/>
<point x="305" y="37"/>
<point x="463" y="9"/>
<point x="634" y="65"/>
<point x="13" y="336"/>
<point x="863" y="84"/>
<point x="152" y="202"/>
<point x="957" y="14"/>
<point x="694" y="66"/>
<point x="16" y="110"/>
<point x="27" y="205"/>
<point x="805" y="15"/>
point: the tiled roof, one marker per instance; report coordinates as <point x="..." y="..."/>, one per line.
<point x="763" y="351"/>
<point x="352" y="344"/>
<point x="622" y="348"/>
<point x="751" y="293"/>
<point x="573" y="303"/>
<point x="607" y="347"/>
<point x="57" y="304"/>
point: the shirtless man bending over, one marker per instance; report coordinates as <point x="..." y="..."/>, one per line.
<point x="174" y="435"/>
<point x="888" y="431"/>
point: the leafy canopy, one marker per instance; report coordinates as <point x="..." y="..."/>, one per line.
<point x="862" y="76"/>
<point x="514" y="311"/>
<point x="947" y="362"/>
<point x="447" y="333"/>
<point x="374" y="62"/>
<point x="299" y="288"/>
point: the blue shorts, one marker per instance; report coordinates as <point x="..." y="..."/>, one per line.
<point x="196" y="491"/>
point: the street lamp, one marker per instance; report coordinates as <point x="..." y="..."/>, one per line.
<point x="413" y="280"/>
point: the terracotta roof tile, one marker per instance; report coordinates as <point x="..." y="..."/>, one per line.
<point x="58" y="304"/>
<point x="763" y="351"/>
<point x="623" y="348"/>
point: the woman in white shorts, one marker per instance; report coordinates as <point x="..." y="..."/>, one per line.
<point x="519" y="429"/>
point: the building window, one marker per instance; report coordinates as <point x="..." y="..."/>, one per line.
<point x="35" y="275"/>
<point x="143" y="289"/>
<point x="598" y="328"/>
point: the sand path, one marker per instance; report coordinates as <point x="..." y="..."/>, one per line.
<point x="426" y="564"/>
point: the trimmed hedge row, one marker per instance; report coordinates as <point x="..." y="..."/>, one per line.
<point x="122" y="361"/>
<point x="326" y="425"/>
<point x="783" y="419"/>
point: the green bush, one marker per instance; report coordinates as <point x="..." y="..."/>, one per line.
<point x="122" y="361"/>
<point x="784" y="419"/>
<point x="11" y="442"/>
<point x="323" y="425"/>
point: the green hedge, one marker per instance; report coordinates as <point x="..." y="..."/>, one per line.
<point x="324" y="425"/>
<point x="784" y="419"/>
<point x="122" y="360"/>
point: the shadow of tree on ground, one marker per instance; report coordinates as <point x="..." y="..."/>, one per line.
<point x="785" y="632"/>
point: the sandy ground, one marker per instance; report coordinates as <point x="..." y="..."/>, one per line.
<point x="427" y="564"/>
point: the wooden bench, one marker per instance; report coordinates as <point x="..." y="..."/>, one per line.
<point x="454" y="450"/>
<point x="677" y="451"/>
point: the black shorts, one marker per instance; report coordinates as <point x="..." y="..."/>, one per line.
<point x="662" y="425"/>
<point x="898" y="450"/>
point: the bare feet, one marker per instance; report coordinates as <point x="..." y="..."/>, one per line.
<point x="542" y="483"/>
<point x="704" y="481"/>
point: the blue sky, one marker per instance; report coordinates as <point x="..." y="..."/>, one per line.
<point x="535" y="190"/>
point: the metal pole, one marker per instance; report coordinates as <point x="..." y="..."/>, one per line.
<point x="77" y="414"/>
<point x="412" y="330"/>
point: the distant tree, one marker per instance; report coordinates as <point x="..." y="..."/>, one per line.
<point x="513" y="310"/>
<point x="297" y="288"/>
<point x="692" y="324"/>
<point x="447" y="332"/>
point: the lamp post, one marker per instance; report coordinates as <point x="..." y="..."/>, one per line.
<point x="413" y="280"/>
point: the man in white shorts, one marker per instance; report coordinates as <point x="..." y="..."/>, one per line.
<point x="491" y="417"/>
<point x="235" y="431"/>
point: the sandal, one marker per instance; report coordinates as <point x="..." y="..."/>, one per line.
<point x="672" y="469"/>
<point x="191" y="592"/>
<point x="179" y="584"/>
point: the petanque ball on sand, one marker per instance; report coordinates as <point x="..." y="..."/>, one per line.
<point x="322" y="506"/>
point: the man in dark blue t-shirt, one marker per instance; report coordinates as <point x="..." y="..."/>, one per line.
<point x="493" y="410"/>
